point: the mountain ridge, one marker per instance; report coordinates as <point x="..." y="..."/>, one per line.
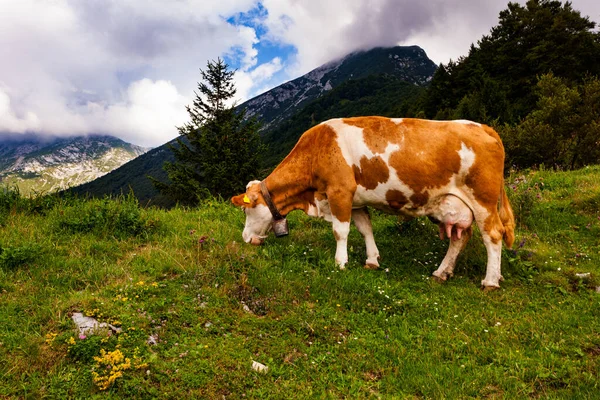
<point x="40" y="164"/>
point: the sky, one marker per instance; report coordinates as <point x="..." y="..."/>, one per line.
<point x="128" y="68"/>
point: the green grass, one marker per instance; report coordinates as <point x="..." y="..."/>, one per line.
<point x="214" y="304"/>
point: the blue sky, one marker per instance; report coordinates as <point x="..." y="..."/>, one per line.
<point x="128" y="68"/>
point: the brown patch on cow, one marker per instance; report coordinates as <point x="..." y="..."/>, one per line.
<point x="372" y="172"/>
<point x="429" y="155"/>
<point x="419" y="199"/>
<point x="372" y="132"/>
<point x="316" y="165"/>
<point x="336" y="236"/>
<point x="331" y="173"/>
<point x="396" y="199"/>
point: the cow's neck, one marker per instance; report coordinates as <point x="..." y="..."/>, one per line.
<point x="290" y="185"/>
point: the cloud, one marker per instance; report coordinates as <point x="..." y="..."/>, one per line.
<point x="129" y="67"/>
<point x="64" y="60"/>
<point x="325" y="30"/>
<point x="10" y="122"/>
<point x="150" y="109"/>
<point x="251" y="83"/>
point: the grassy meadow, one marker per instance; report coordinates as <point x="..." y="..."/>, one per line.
<point x="191" y="306"/>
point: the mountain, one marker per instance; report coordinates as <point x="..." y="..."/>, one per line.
<point x="409" y="64"/>
<point x="39" y="164"/>
<point x="380" y="81"/>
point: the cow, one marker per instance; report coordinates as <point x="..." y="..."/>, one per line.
<point x="451" y="171"/>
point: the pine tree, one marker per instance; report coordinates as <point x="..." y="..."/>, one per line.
<point x="219" y="149"/>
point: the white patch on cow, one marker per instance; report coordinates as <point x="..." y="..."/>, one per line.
<point x="353" y="150"/>
<point x="321" y="209"/>
<point x="312" y="211"/>
<point x="350" y="140"/>
<point x="251" y="183"/>
<point x="458" y="121"/>
<point x="466" y="122"/>
<point x="467" y="158"/>
<point x="397" y="121"/>
<point x="258" y="222"/>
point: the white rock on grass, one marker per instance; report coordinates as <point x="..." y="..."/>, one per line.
<point x="87" y="325"/>
<point x="262" y="368"/>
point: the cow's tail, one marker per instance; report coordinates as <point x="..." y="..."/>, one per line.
<point x="507" y="217"/>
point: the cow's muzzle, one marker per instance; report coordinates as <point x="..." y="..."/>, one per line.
<point x="280" y="227"/>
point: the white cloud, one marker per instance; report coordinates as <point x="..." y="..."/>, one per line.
<point x="10" y="122"/>
<point x="251" y="83"/>
<point x="128" y="67"/>
<point x="325" y="30"/>
<point x="149" y="114"/>
<point x="61" y="59"/>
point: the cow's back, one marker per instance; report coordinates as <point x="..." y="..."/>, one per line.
<point x="404" y="162"/>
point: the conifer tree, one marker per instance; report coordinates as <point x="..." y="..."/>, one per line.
<point x="219" y="148"/>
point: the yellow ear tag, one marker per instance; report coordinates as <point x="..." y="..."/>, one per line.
<point x="246" y="199"/>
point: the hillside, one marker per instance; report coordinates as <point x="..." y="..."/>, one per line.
<point x="40" y="164"/>
<point x="360" y="78"/>
<point x="408" y="64"/>
<point x="190" y="307"/>
<point x="382" y="95"/>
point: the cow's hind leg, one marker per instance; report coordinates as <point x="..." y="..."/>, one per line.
<point x="492" y="231"/>
<point x="362" y="220"/>
<point x="446" y="269"/>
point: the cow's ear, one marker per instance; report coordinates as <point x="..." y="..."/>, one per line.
<point x="239" y="200"/>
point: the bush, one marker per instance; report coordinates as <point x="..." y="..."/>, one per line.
<point x="120" y="217"/>
<point x="14" y="257"/>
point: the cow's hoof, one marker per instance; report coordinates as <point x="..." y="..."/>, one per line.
<point x="489" y="288"/>
<point x="371" y="266"/>
<point x="442" y="277"/>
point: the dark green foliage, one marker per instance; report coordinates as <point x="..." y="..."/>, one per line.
<point x="563" y="130"/>
<point x="85" y="348"/>
<point x="15" y="257"/>
<point x="12" y="201"/>
<point x="120" y="218"/>
<point x="222" y="148"/>
<point x="496" y="80"/>
<point x="383" y="95"/>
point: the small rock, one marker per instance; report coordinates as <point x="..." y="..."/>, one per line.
<point x="597" y="289"/>
<point x="152" y="340"/>
<point x="208" y="324"/>
<point x="262" y="368"/>
<point x="583" y="275"/>
<point x="87" y="325"/>
<point x="246" y="308"/>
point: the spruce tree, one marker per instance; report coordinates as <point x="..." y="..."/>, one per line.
<point x="219" y="149"/>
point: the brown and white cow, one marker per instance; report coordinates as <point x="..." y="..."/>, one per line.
<point x="451" y="171"/>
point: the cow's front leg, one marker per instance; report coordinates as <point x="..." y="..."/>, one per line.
<point x="340" y="203"/>
<point x="446" y="269"/>
<point x="362" y="220"/>
<point x="340" y="232"/>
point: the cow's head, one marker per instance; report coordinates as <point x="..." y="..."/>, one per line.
<point x="259" y="220"/>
